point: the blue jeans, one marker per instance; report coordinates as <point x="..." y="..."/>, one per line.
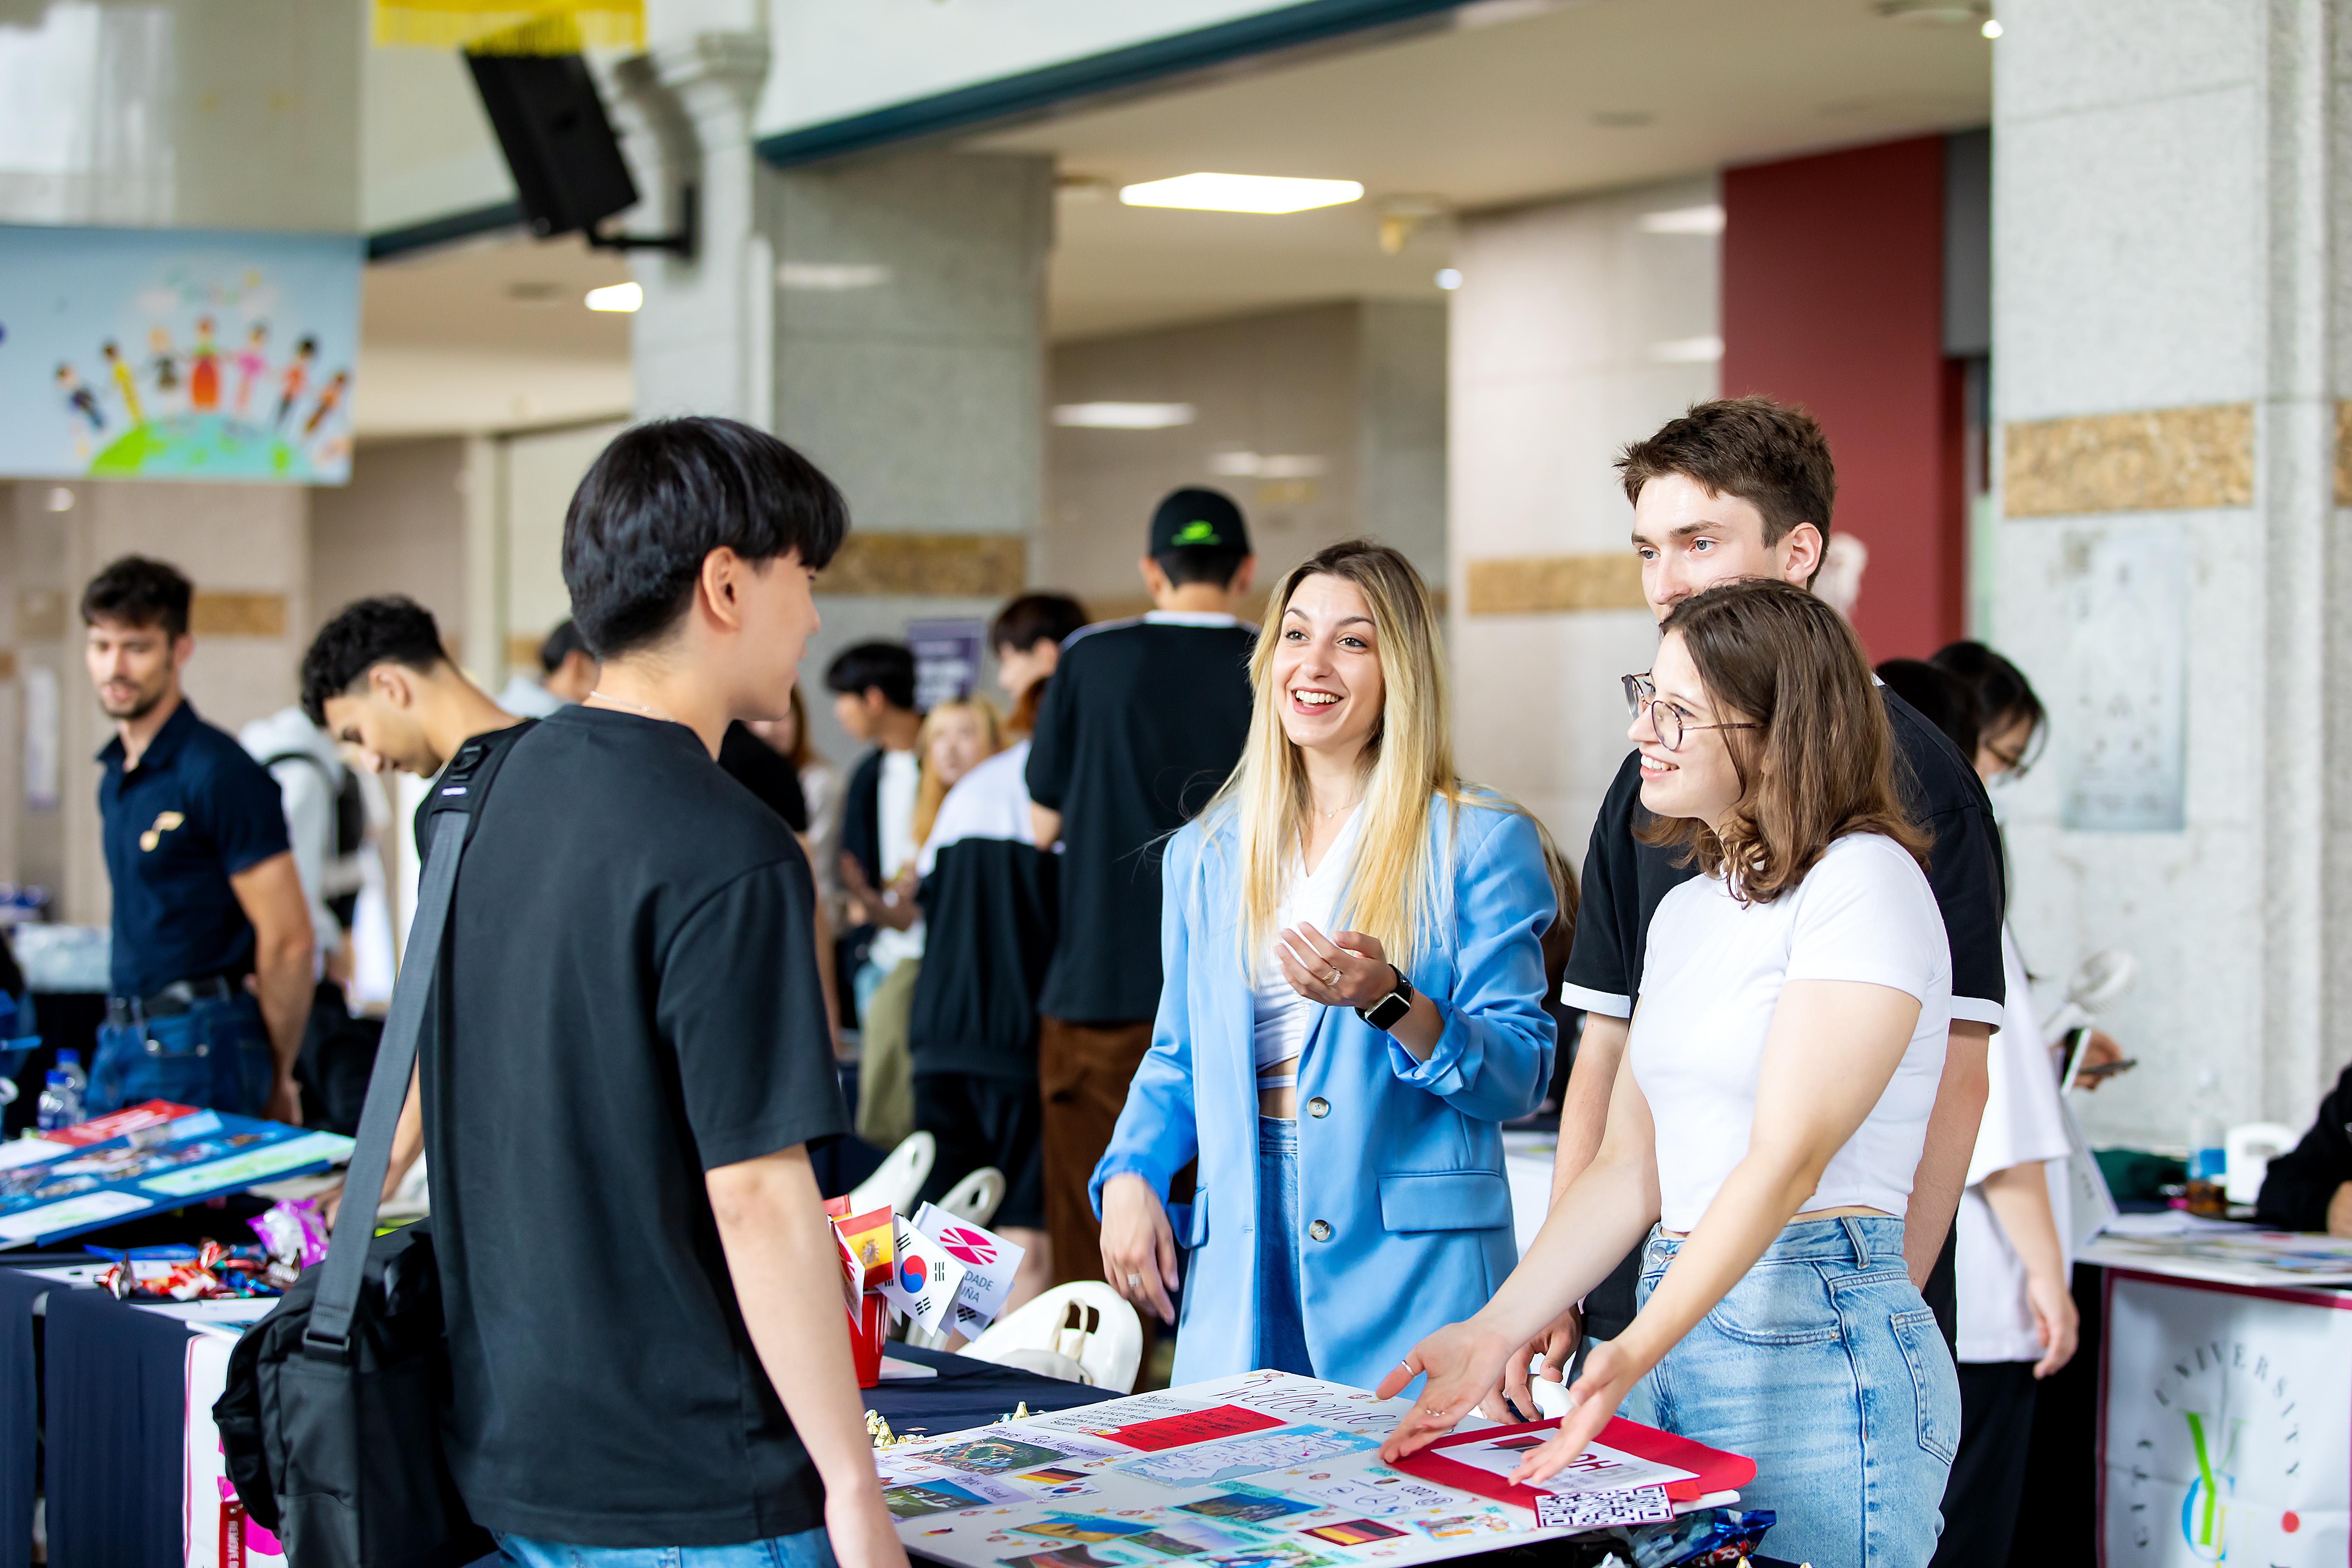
<point x="1825" y="1367"/>
<point x="809" y="1549"/>
<point x="1281" y="1322"/>
<point x="215" y="1055"/>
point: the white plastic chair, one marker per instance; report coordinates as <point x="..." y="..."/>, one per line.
<point x="901" y="1177"/>
<point x="1085" y="1323"/>
<point x="974" y="1199"/>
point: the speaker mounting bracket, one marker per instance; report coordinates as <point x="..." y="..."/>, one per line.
<point x="681" y="244"/>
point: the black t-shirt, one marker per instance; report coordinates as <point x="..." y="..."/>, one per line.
<point x="1142" y="723"/>
<point x="1625" y="880"/>
<point x="629" y="999"/>
<point x="991" y="906"/>
<point x="761" y="769"/>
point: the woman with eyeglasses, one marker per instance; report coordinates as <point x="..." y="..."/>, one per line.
<point x="1770" y="1112"/>
<point x="1350" y="931"/>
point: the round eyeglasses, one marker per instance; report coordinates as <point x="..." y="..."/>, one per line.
<point x="1669" y="720"/>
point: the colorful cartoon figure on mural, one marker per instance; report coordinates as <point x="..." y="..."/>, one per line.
<point x="203" y="370"/>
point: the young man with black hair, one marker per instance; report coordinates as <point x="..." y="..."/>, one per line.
<point x="1142" y="722"/>
<point x="873" y="686"/>
<point x="377" y="677"/>
<point x="1028" y="634"/>
<point x="1738" y="487"/>
<point x="634" y="1057"/>
<point x="212" y="967"/>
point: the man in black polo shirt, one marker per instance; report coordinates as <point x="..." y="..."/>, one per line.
<point x="1743" y="488"/>
<point x="1143" y="722"/>
<point x="647" y="1349"/>
<point x="207" y="896"/>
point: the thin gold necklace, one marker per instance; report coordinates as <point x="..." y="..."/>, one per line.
<point x="639" y="707"/>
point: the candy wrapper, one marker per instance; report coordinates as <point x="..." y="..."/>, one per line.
<point x="1711" y="1538"/>
<point x="202" y="1273"/>
<point x="293" y="1232"/>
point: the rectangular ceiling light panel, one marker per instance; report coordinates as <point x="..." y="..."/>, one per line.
<point x="1122" y="415"/>
<point x="1240" y="194"/>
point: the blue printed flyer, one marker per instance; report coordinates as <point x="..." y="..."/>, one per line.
<point x="144" y="1160"/>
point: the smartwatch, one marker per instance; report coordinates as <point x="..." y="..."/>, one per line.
<point x="1389" y="1012"/>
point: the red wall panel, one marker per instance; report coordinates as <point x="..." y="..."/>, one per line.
<point x="1832" y="298"/>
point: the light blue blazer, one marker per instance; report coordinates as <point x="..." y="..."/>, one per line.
<point x="1405" y="1161"/>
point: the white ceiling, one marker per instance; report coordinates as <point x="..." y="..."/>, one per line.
<point x="1545" y="100"/>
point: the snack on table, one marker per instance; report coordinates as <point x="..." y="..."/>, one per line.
<point x="293" y="1232"/>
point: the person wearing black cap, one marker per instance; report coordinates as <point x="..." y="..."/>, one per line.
<point x="1142" y="722"/>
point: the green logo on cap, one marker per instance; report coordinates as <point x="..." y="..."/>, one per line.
<point x="1197" y="534"/>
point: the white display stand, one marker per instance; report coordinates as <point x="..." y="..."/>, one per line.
<point x="2225" y="1423"/>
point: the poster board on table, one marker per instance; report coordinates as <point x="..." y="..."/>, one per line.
<point x="1264" y="1469"/>
<point x="2224" y="1432"/>
<point x="144" y="1160"/>
<point x="165" y="354"/>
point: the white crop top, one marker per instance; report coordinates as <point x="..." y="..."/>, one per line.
<point x="1281" y="1015"/>
<point x="1710" y="981"/>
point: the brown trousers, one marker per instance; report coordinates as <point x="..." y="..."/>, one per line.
<point x="1083" y="1071"/>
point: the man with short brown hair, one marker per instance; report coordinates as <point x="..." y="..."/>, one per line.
<point x="212" y="974"/>
<point x="1744" y="486"/>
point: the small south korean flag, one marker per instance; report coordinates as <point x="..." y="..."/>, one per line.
<point x="924" y="1281"/>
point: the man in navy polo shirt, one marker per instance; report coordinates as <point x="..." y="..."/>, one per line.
<point x="212" y="973"/>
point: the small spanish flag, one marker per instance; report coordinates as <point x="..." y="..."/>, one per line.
<point x="866" y="1246"/>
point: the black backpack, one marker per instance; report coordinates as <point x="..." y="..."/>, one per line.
<point x="330" y="1423"/>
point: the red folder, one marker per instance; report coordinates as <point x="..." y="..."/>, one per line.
<point x="1711" y="1469"/>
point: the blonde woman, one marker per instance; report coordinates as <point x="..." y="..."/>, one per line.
<point x="955" y="738"/>
<point x="1354" y="945"/>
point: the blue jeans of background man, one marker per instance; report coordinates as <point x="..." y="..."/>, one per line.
<point x="809" y="1549"/>
<point x="1823" y="1365"/>
<point x="1281" y="1320"/>
<point x="215" y="1055"/>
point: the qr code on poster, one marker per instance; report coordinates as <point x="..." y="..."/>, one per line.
<point x="1599" y="1510"/>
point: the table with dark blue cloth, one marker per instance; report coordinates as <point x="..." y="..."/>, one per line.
<point x="20" y="1414"/>
<point x="969" y="1392"/>
<point x="117" y="1384"/>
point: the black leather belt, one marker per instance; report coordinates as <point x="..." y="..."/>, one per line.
<point x="175" y="999"/>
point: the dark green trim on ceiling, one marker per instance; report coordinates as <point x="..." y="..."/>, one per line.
<point x="1113" y="70"/>
<point x="448" y="230"/>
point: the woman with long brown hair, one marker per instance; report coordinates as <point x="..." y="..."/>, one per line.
<point x="1770" y="1109"/>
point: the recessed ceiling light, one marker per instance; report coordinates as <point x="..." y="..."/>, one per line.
<point x="623" y="297"/>
<point x="1447" y="278"/>
<point x="1122" y="415"/>
<point x="1707" y="219"/>
<point x="830" y="276"/>
<point x="1687" y="351"/>
<point x="1240" y="194"/>
<point x="1991" y="29"/>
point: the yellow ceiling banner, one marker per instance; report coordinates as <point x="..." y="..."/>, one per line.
<point x="512" y="26"/>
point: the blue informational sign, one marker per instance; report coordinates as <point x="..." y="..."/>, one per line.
<point x="165" y="1157"/>
<point x="177" y="354"/>
<point x="946" y="660"/>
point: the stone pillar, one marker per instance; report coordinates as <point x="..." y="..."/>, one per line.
<point x="2168" y="366"/>
<point x="1578" y="326"/>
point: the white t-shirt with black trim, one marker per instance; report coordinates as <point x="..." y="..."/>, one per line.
<point x="2022" y="1121"/>
<point x="1713" y="975"/>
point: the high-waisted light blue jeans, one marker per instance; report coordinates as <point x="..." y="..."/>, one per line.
<point x="1281" y="1319"/>
<point x="1825" y="1367"/>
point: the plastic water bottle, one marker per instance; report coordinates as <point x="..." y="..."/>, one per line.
<point x="69" y="1064"/>
<point x="60" y="1105"/>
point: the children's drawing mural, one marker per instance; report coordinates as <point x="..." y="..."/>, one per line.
<point x="177" y="353"/>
